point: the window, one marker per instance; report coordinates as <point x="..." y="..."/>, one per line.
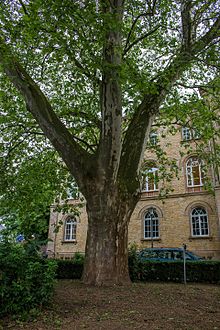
<point x="70" y="229"/>
<point x="72" y="191"/>
<point x="199" y="222"/>
<point x="194" y="173"/>
<point x="196" y="134"/>
<point x="190" y="133"/>
<point x="150" y="182"/>
<point x="151" y="224"/>
<point x="153" y="138"/>
<point x="186" y="134"/>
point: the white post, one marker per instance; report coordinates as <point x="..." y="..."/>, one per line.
<point x="184" y="263"/>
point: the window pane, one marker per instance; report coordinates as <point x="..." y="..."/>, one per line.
<point x="70" y="230"/>
<point x="196" y="175"/>
<point x="186" y="134"/>
<point x="199" y="219"/>
<point x="153" y="138"/>
<point x="193" y="172"/>
<point x="152" y="179"/>
<point x="151" y="224"/>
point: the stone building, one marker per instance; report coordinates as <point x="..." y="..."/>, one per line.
<point x="188" y="214"/>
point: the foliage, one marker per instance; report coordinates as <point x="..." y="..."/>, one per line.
<point x="133" y="262"/>
<point x="27" y="189"/>
<point x="70" y="269"/>
<point x="26" y="281"/>
<point x="151" y="270"/>
<point x="196" y="271"/>
<point x="91" y="76"/>
<point x="67" y="64"/>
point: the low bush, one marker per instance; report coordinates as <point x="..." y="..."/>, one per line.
<point x="26" y="281"/>
<point x="196" y="271"/>
<point x="70" y="269"/>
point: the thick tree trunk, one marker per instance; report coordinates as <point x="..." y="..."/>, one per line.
<point x="107" y="241"/>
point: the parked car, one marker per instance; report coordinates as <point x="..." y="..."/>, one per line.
<point x="167" y="254"/>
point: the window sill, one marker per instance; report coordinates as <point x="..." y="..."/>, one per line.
<point x="195" y="189"/>
<point x="72" y="242"/>
<point x="200" y="237"/>
<point x="150" y="193"/>
<point x="150" y="239"/>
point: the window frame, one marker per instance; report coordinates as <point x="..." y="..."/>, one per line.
<point x="155" y="225"/>
<point x="189" y="134"/>
<point x="186" y="133"/>
<point x="147" y="178"/>
<point x="190" y="175"/>
<point x="71" y="226"/>
<point x="203" y="222"/>
<point x="153" y="138"/>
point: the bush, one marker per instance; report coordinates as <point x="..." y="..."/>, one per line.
<point x="196" y="271"/>
<point x="26" y="282"/>
<point x="133" y="263"/>
<point x="70" y="269"/>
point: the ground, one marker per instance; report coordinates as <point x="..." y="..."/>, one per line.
<point x="141" y="306"/>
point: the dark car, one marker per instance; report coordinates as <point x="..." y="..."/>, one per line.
<point x="167" y="254"/>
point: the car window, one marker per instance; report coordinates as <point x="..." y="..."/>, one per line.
<point x="154" y="254"/>
<point x="188" y="257"/>
<point x="177" y="255"/>
<point x="146" y="254"/>
<point x="149" y="254"/>
<point x="164" y="254"/>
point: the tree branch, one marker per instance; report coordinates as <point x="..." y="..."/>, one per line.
<point x="186" y="6"/>
<point x="149" y="13"/>
<point x="213" y="33"/>
<point x="144" y="36"/>
<point x="110" y="91"/>
<point x="132" y="28"/>
<point x="71" y="152"/>
<point x="87" y="117"/>
<point x="89" y="146"/>
<point x="24" y="7"/>
<point x="140" y="125"/>
<point x="84" y="70"/>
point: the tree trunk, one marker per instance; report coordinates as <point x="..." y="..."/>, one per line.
<point x="106" y="260"/>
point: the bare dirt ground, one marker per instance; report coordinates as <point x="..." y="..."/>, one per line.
<point x="141" y="306"/>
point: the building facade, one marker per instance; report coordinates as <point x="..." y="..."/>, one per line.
<point x="173" y="209"/>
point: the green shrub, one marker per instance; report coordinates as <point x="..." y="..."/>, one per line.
<point x="69" y="269"/>
<point x="133" y="263"/>
<point x="26" y="282"/>
<point x="196" y="271"/>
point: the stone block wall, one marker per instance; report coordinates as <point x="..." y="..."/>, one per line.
<point x="173" y="211"/>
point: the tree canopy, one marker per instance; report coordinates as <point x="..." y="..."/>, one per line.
<point x="93" y="76"/>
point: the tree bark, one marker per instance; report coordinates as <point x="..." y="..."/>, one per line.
<point x="106" y="261"/>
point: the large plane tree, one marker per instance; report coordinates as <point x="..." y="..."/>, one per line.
<point x="94" y="75"/>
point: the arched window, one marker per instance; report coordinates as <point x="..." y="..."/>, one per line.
<point x="70" y="229"/>
<point x="199" y="222"/>
<point x="150" y="178"/>
<point x="151" y="224"/>
<point x="194" y="172"/>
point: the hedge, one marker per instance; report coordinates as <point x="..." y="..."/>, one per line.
<point x="69" y="269"/>
<point x="196" y="271"/>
